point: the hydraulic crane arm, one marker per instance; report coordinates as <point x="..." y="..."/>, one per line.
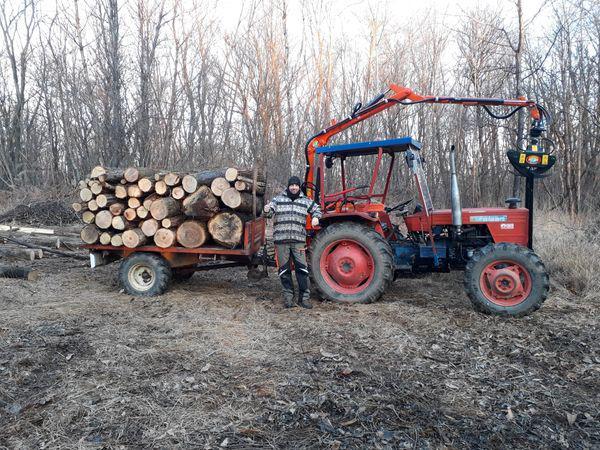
<point x="398" y="95"/>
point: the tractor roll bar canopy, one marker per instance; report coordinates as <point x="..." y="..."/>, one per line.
<point x="370" y="148"/>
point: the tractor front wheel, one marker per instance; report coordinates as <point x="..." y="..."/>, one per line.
<point x="506" y="279"/>
<point x="350" y="263"/>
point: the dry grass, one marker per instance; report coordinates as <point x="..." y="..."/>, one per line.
<point x="570" y="248"/>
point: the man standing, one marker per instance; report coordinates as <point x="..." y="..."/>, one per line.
<point x="290" y="209"/>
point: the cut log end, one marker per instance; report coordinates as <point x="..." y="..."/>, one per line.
<point x="134" y="238"/>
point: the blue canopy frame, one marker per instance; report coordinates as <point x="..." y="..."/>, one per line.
<point x="370" y="148"/>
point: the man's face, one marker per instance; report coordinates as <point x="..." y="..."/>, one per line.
<point x="294" y="188"/>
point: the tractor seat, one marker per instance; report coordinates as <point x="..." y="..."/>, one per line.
<point x="513" y="202"/>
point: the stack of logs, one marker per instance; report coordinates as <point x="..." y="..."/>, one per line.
<point x="134" y="207"/>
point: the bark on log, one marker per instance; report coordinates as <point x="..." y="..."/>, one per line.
<point x="104" y="200"/>
<point x="219" y="185"/>
<point x="104" y="219"/>
<point x="21" y="253"/>
<point x="18" y="272"/>
<point x="90" y="234"/>
<point x="248" y="174"/>
<point x="148" y="200"/>
<point x="191" y="182"/>
<point x="146" y="185"/>
<point x="121" y="191"/>
<point x="149" y="227"/>
<point x="172" y="222"/>
<point x="192" y="234"/>
<point x="133" y="174"/>
<point x="164" y="238"/>
<point x="112" y="176"/>
<point x="134" y="238"/>
<point x="119" y="223"/>
<point x="246" y="186"/>
<point x="240" y="201"/>
<point x="165" y="207"/>
<point x="201" y="204"/>
<point x="88" y="217"/>
<point x="85" y="195"/>
<point x="116" y="209"/>
<point x="79" y="207"/>
<point x="116" y="240"/>
<point x="226" y="229"/>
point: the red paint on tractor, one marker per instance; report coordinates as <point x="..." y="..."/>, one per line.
<point x="347" y="266"/>
<point x="505" y="283"/>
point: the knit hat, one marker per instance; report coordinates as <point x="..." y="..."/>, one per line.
<point x="294" y="180"/>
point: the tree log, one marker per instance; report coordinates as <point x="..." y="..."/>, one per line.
<point x="134" y="203"/>
<point x="116" y="209"/>
<point x="93" y="205"/>
<point x="104" y="200"/>
<point x="142" y="212"/>
<point x="134" y="238"/>
<point x="146" y="185"/>
<point x="119" y="223"/>
<point x="133" y="190"/>
<point x="191" y="182"/>
<point x="18" y="272"/>
<point x="90" y="234"/>
<point x="96" y="187"/>
<point x="121" y="191"/>
<point x="21" y="253"/>
<point x="148" y="200"/>
<point x="246" y="186"/>
<point x="150" y="226"/>
<point x="79" y="207"/>
<point x="88" y="217"/>
<point x="226" y="229"/>
<point x="111" y="176"/>
<point x="165" y="207"/>
<point x="172" y="178"/>
<point x="97" y="171"/>
<point x="178" y="193"/>
<point x="161" y="188"/>
<point x="133" y="174"/>
<point x="85" y="195"/>
<point x="172" y="222"/>
<point x="164" y="238"/>
<point x="192" y="234"/>
<point x="248" y="174"/>
<point x="201" y="204"/>
<point x="240" y="201"/>
<point x="116" y="240"/>
<point x="219" y="185"/>
<point x="105" y="238"/>
<point x="130" y="214"/>
<point x="104" y="219"/>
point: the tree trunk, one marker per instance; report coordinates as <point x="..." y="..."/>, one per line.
<point x="148" y="200"/>
<point x="104" y="200"/>
<point x="93" y="205"/>
<point x="191" y="182"/>
<point x="116" y="240"/>
<point x="192" y="234"/>
<point x="133" y="202"/>
<point x="142" y="212"/>
<point x="178" y="193"/>
<point x="116" y="209"/>
<point x="172" y="179"/>
<point x="121" y="191"/>
<point x="105" y="238"/>
<point x="85" y="195"/>
<point x="111" y="176"/>
<point x="119" y="223"/>
<point x="104" y="219"/>
<point x="173" y="222"/>
<point x="146" y="185"/>
<point x="88" y="217"/>
<point x="161" y="188"/>
<point x="201" y="204"/>
<point x="133" y="174"/>
<point x="134" y="238"/>
<point x="226" y="229"/>
<point x="240" y="201"/>
<point x="133" y="190"/>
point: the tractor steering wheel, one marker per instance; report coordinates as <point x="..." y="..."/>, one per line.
<point x="400" y="205"/>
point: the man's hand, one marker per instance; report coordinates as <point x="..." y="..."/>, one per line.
<point x="315" y="222"/>
<point x="267" y="207"/>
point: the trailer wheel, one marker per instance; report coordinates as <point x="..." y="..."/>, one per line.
<point x="507" y="280"/>
<point x="350" y="263"/>
<point x="145" y="274"/>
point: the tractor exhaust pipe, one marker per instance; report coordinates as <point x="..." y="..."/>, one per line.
<point x="455" y="193"/>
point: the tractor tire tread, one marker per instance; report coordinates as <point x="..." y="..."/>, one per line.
<point x="162" y="269"/>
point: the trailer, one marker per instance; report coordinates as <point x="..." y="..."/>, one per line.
<point x="150" y="270"/>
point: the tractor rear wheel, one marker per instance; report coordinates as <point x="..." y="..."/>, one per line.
<point x="350" y="263"/>
<point x="145" y="274"/>
<point x="506" y="279"/>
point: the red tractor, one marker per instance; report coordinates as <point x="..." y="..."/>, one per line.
<point x="357" y="251"/>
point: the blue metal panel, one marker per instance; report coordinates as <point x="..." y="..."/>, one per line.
<point x="371" y="148"/>
<point x="426" y="251"/>
<point x="404" y="254"/>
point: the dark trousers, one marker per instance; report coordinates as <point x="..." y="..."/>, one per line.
<point x="296" y="253"/>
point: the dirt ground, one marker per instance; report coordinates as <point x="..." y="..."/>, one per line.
<point x="218" y="362"/>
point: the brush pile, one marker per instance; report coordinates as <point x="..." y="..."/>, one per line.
<point x="134" y="207"/>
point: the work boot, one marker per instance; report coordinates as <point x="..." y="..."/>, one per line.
<point x="305" y="303"/>
<point x="288" y="302"/>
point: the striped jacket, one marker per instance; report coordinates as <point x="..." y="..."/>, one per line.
<point x="290" y="217"/>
